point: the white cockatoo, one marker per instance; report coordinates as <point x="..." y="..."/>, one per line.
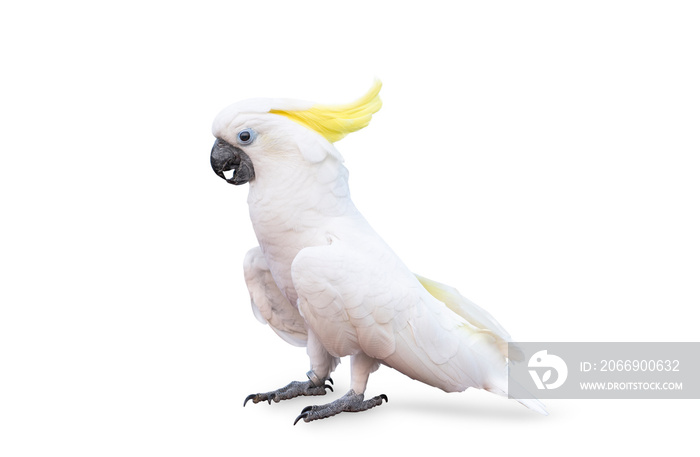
<point x="321" y="277"/>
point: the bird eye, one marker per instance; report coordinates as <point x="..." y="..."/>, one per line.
<point x="246" y="136"/>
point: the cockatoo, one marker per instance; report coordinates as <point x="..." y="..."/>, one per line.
<point x="321" y="277"/>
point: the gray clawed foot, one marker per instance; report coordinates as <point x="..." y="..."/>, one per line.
<point x="350" y="402"/>
<point x="291" y="390"/>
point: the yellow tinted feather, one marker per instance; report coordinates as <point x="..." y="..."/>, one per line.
<point x="333" y="122"/>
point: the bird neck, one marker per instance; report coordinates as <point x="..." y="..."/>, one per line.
<point x="300" y="199"/>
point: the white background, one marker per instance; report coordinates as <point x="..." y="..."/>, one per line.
<point x="540" y="156"/>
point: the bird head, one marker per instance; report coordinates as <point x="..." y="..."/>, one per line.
<point x="253" y="137"/>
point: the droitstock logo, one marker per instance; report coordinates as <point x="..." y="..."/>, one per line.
<point x="604" y="370"/>
<point x="542" y="364"/>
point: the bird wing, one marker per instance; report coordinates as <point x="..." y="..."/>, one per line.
<point x="363" y="299"/>
<point x="474" y="314"/>
<point x="345" y="299"/>
<point x="269" y="305"/>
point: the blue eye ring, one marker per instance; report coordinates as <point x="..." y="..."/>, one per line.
<point x="246" y="136"/>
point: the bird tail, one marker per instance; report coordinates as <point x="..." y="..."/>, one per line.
<point x="487" y="337"/>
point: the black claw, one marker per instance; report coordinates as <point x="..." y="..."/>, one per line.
<point x="331" y="380"/>
<point x="300" y="416"/>
<point x="386" y="399"/>
<point x="249" y="397"/>
<point x="307" y="409"/>
<point x="328" y="387"/>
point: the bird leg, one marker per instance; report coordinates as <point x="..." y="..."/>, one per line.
<point x="353" y="401"/>
<point x="313" y="386"/>
<point x="350" y="402"/>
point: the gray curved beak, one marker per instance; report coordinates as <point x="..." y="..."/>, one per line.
<point x="226" y="157"/>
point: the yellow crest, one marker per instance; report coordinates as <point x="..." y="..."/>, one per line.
<point x="333" y="122"/>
